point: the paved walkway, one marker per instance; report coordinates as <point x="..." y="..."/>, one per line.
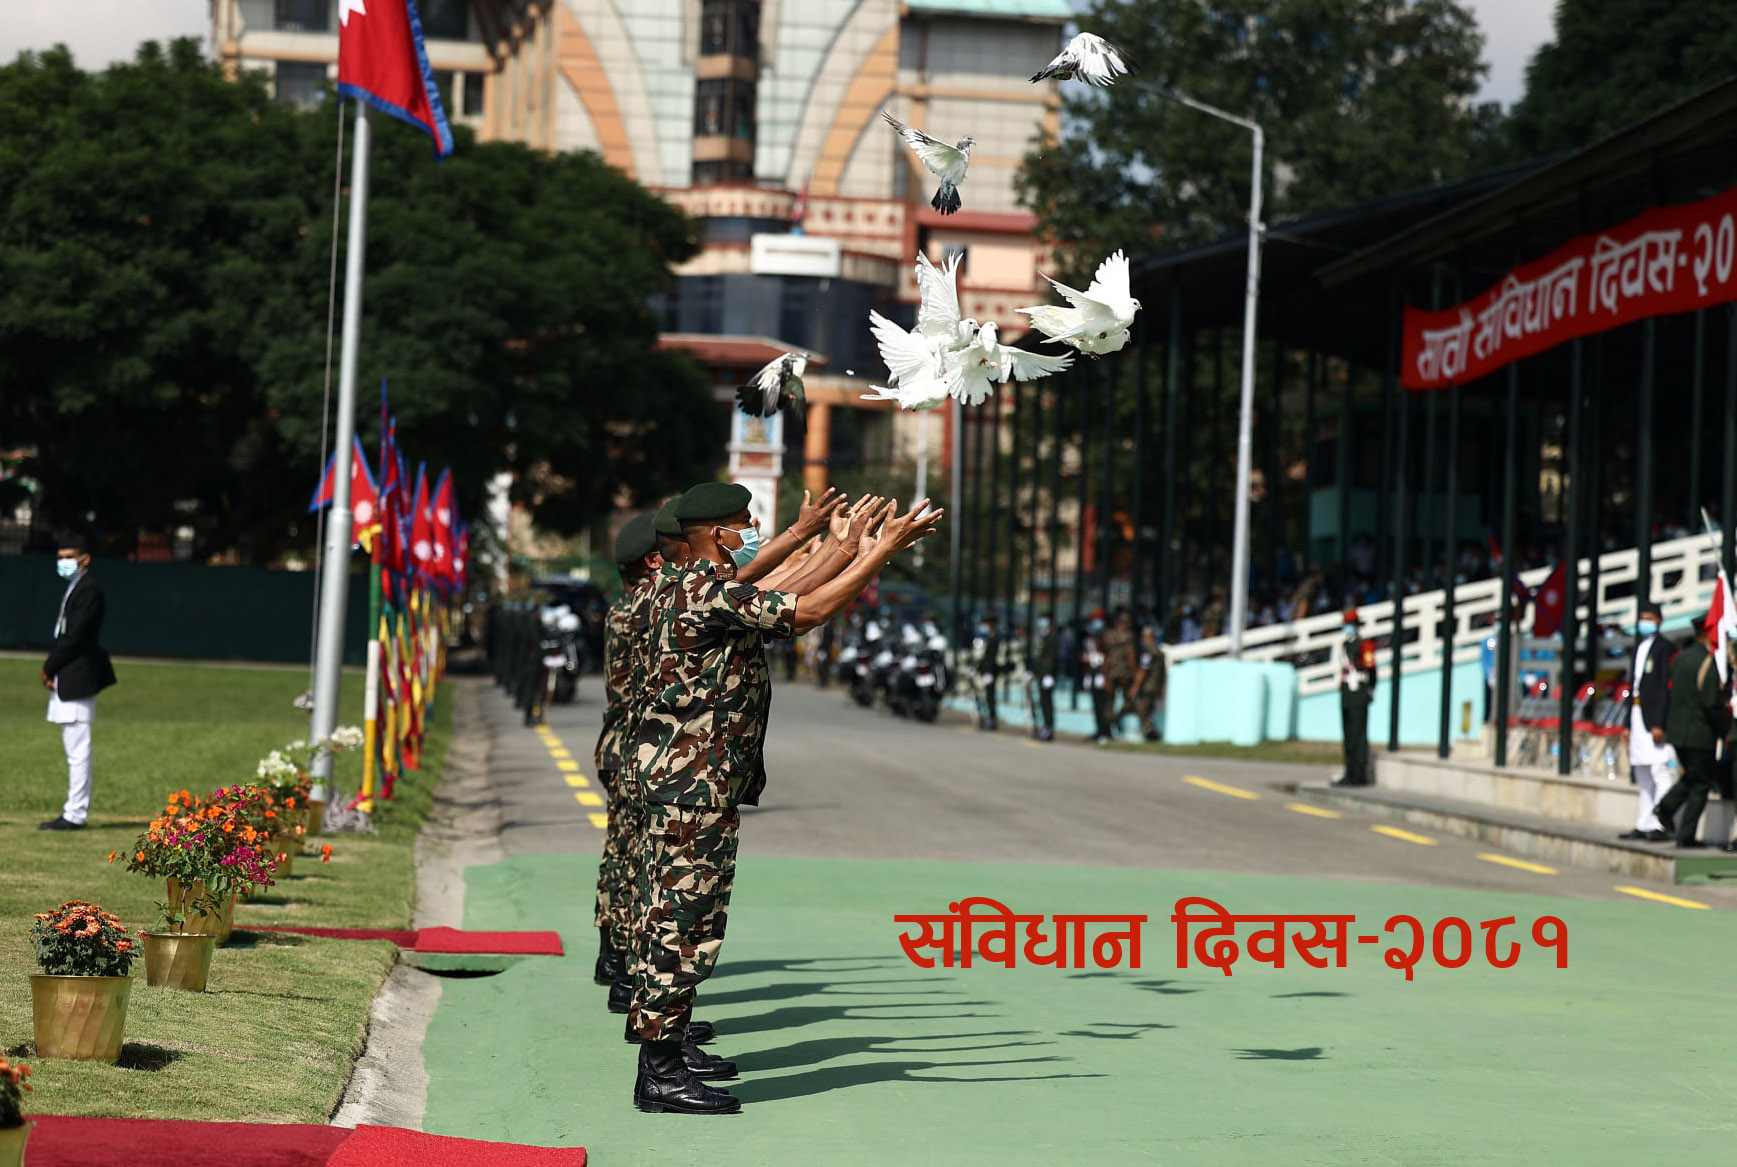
<point x="850" y="1052"/>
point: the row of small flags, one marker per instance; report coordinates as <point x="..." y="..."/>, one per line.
<point x="419" y="552"/>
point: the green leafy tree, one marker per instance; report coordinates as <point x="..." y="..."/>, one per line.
<point x="1358" y="99"/>
<point x="165" y="247"/>
<point x="1614" y="62"/>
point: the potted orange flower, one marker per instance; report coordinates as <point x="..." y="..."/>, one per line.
<point x="14" y="1129"/>
<point x="79" y="999"/>
<point x="207" y="851"/>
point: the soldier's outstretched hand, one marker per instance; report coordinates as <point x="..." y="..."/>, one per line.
<point x="898" y="532"/>
<point x="813" y="517"/>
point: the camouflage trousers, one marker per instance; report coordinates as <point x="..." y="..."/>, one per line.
<point x="1120" y="689"/>
<point x="684" y="888"/>
<point x="619" y="869"/>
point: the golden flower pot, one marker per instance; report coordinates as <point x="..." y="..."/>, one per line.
<point x="315" y="810"/>
<point x="12" y="1140"/>
<point x="83" y="1018"/>
<point x="220" y="924"/>
<point x="178" y="960"/>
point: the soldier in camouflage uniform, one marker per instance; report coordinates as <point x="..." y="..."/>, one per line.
<point x="1149" y="681"/>
<point x="636" y="555"/>
<point x="697" y="760"/>
<point x="1121" y="668"/>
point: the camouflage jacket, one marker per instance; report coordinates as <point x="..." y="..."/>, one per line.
<point x="618" y="675"/>
<point x="707" y="688"/>
<point x="1118" y="648"/>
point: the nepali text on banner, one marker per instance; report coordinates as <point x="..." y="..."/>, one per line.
<point x="1665" y="261"/>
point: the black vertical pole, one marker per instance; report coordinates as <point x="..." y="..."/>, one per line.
<point x="1448" y="622"/>
<point x="1505" y="619"/>
<point x="1592" y="502"/>
<point x="1106" y="518"/>
<point x="1347" y="468"/>
<point x="1214" y="528"/>
<point x="1168" y="540"/>
<point x="1275" y="498"/>
<point x="1137" y="575"/>
<point x="992" y="514"/>
<point x="1402" y="405"/>
<point x="1696" y="385"/>
<point x="1426" y="497"/>
<point x="1728" y="500"/>
<point x="1013" y="464"/>
<point x="1310" y="425"/>
<point x="1085" y="386"/>
<point x="1571" y="566"/>
<point x="974" y="534"/>
<point x="1643" y="470"/>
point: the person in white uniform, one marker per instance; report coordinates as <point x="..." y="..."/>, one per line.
<point x="77" y="669"/>
<point x="1649" y="701"/>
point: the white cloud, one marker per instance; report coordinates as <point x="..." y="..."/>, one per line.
<point x="99" y="32"/>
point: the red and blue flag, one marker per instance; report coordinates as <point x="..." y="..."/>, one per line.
<point x="382" y="61"/>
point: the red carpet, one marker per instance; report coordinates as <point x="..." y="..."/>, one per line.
<point x="132" y="1142"/>
<point x="385" y="1146"/>
<point x="128" y="1142"/>
<point x="451" y="940"/>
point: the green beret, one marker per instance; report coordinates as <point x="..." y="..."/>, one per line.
<point x="665" y="522"/>
<point x="635" y="540"/>
<point x="712" y="500"/>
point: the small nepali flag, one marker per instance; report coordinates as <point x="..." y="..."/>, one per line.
<point x="440" y="566"/>
<point x="1722" y="619"/>
<point x="1550" y="602"/>
<point x="364" y="497"/>
<point x="382" y="61"/>
<point x="421" y="523"/>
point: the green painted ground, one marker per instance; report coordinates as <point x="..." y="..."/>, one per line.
<point x="851" y="1054"/>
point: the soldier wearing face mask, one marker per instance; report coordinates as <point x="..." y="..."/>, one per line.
<point x="1356" y="691"/>
<point x="1045" y="664"/>
<point x="1649" y="700"/>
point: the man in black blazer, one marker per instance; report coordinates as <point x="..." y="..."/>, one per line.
<point x="1649" y="703"/>
<point x="77" y="669"/>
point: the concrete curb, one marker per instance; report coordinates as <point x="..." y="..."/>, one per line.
<point x="389" y="1085"/>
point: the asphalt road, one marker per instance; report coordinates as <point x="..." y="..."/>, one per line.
<point x="860" y="784"/>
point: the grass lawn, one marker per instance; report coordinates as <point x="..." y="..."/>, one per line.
<point x="285" y="1015"/>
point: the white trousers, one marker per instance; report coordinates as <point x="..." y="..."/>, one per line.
<point x="1654" y="781"/>
<point x="75" y="736"/>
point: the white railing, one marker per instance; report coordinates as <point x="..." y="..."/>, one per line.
<point x="1683" y="571"/>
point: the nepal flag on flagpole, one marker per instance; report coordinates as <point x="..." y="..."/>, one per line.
<point x="381" y="61"/>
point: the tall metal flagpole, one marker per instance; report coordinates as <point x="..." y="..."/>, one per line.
<point x="1245" y="414"/>
<point x="334" y="590"/>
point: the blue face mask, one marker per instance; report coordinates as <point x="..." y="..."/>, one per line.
<point x="1647" y="627"/>
<point x="744" y="555"/>
<point x="66" y="568"/>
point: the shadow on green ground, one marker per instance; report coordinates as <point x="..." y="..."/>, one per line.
<point x="851" y="1054"/>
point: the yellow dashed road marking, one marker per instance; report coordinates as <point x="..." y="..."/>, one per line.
<point x="1644" y="894"/>
<point x="1396" y="833"/>
<point x="1318" y="812"/>
<point x="586" y="798"/>
<point x="600" y="821"/>
<point x="567" y="766"/>
<point x="576" y="780"/>
<point x="555" y="752"/>
<point x="1219" y="787"/>
<point x="1505" y="861"/>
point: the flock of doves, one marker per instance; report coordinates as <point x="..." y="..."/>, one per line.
<point x="951" y="355"/>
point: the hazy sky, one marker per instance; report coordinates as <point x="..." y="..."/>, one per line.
<point x="100" y="31"/>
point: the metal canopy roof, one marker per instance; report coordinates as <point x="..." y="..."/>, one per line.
<point x="1058" y="11"/>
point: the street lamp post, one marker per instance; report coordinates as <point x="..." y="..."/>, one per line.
<point x="1245" y="415"/>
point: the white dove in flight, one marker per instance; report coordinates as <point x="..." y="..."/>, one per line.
<point x="1088" y="58"/>
<point x="778" y="385"/>
<point x="921" y="359"/>
<point x="986" y="361"/>
<point x="949" y="163"/>
<point x="1097" y="319"/>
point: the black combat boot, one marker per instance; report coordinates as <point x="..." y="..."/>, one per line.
<point x="704" y="1065"/>
<point x="620" y="995"/>
<point x="699" y="1033"/>
<point x="666" y="1085"/>
<point x="610" y="961"/>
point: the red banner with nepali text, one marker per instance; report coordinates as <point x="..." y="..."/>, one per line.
<point x="1665" y="261"/>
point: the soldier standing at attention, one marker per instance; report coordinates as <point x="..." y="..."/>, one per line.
<point x="636" y="555"/>
<point x="1356" y="691"/>
<point x="1149" y="681"/>
<point x="697" y="756"/>
<point x="988" y="666"/>
<point x="1092" y="676"/>
<point x="1045" y="664"/>
<point x="1121" y="668"/>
